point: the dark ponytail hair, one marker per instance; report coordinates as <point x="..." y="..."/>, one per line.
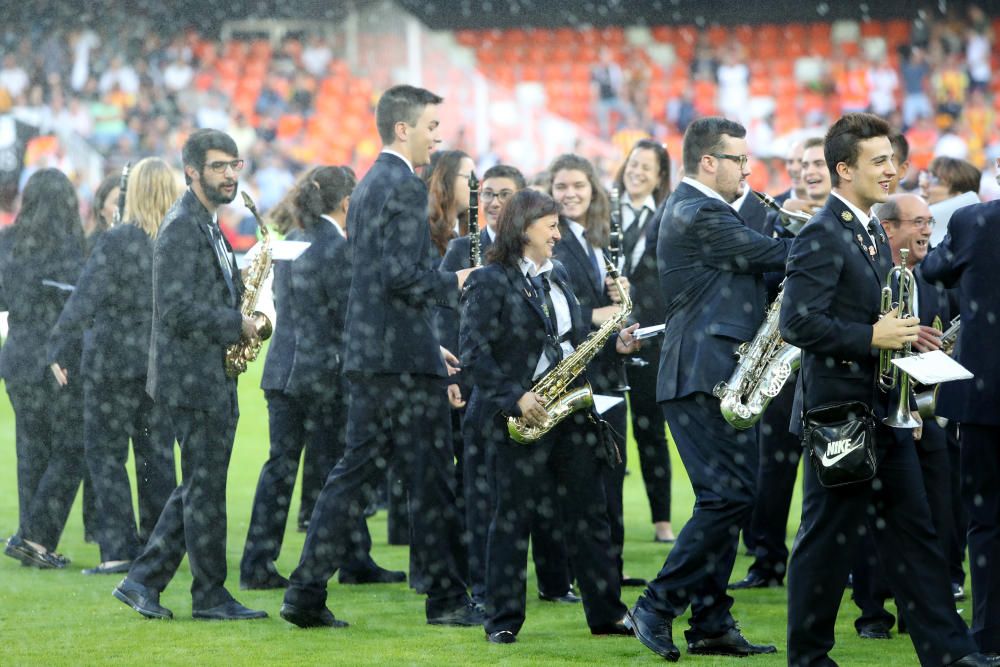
<point x="519" y="213"/>
<point x="318" y="191"/>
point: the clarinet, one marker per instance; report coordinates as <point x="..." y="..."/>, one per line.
<point x="122" y="185"/>
<point x="615" y="237"/>
<point x="475" y="256"/>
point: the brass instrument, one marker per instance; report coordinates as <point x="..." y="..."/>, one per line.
<point x="475" y="253"/>
<point x="240" y="354"/>
<point x="765" y="364"/>
<point x="794" y="220"/>
<point x="927" y="395"/>
<point x="616" y="237"/>
<point x="122" y="186"/>
<point x="554" y="387"/>
<point x="888" y="372"/>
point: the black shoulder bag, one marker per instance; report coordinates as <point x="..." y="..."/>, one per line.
<point x="840" y="439"/>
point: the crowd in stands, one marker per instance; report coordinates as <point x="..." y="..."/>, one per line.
<point x="132" y="94"/>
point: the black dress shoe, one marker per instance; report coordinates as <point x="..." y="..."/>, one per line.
<point x="731" y="643"/>
<point x="143" y="599"/>
<point x="228" y="611"/>
<point x="501" y="637"/>
<point x="376" y="575"/>
<point x="654" y="631"/>
<point x="634" y="582"/>
<point x="622" y="627"/>
<point x="753" y="580"/>
<point x="20" y="550"/>
<point x="874" y="631"/>
<point x="120" y="567"/>
<point x="310" y="618"/>
<point x="466" y="615"/>
<point x="978" y="660"/>
<point x="569" y="597"/>
<point x="265" y="582"/>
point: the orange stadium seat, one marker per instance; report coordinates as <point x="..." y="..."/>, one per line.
<point x="718" y="35"/>
<point x="289" y="126"/>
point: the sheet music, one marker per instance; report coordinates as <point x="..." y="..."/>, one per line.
<point x="604" y="403"/>
<point x="648" y="332"/>
<point x="932" y="367"/>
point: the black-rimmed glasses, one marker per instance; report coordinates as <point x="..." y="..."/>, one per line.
<point x="739" y="159"/>
<point x="488" y="195"/>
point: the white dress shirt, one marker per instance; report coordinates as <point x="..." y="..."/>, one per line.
<point x="564" y="322"/>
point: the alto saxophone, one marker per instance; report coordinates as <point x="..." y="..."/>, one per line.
<point x="554" y="387"/>
<point x="765" y="363"/>
<point x="240" y="354"/>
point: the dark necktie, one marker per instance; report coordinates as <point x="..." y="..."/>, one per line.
<point x="873" y="226"/>
<point x="632" y="235"/>
<point x="222" y="255"/>
<point x="553" y="350"/>
<point x="596" y="276"/>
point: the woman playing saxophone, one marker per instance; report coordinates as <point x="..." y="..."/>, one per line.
<point x="519" y="319"/>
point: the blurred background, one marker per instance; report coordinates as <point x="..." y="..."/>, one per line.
<point x="87" y="87"/>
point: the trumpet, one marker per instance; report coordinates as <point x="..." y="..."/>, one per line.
<point x="794" y="220"/>
<point x="888" y="372"/>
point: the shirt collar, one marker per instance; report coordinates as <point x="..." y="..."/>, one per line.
<point x="704" y="189"/>
<point x="648" y="202"/>
<point x="335" y="225"/>
<point x="400" y="156"/>
<point x="529" y="269"/>
<point x="862" y="217"/>
<point x="492" y="234"/>
<point x="738" y="204"/>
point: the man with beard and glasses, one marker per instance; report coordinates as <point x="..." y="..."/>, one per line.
<point x="196" y="316"/>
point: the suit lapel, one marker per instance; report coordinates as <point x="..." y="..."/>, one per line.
<point x="527" y="292"/>
<point x="577" y="254"/>
<point x="874" y="255"/>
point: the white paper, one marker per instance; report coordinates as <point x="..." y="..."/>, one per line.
<point x="603" y="403"/>
<point x="281" y="251"/>
<point x="932" y="367"/>
<point x="648" y="332"/>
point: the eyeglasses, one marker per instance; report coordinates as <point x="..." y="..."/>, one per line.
<point x="488" y="195"/>
<point x="220" y="166"/>
<point x="919" y="223"/>
<point x="740" y="159"/>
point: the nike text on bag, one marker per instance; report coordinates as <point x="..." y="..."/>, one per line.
<point x="840" y="439"/>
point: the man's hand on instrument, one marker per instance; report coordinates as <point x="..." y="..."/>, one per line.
<point x="928" y="340"/>
<point x="455" y="396"/>
<point x="532" y="409"/>
<point x="892" y="332"/>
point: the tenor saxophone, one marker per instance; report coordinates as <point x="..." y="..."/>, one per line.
<point x="240" y="354"/>
<point x="554" y="387"/>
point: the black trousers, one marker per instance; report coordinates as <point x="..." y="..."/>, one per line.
<point x="958" y="540"/>
<point x="316" y="465"/>
<point x="614" y="479"/>
<point x="560" y="474"/>
<point x="777" y="469"/>
<point x="114" y="412"/>
<point x="893" y="506"/>
<point x="48" y="435"/>
<point x="650" y="434"/>
<point x="194" y="518"/>
<point x="316" y="422"/>
<point x="721" y="462"/>
<point x="401" y="416"/>
<point x="981" y="470"/>
<point x="548" y="546"/>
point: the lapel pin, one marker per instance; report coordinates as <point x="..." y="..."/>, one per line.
<point x="871" y="250"/>
<point x="846" y="216"/>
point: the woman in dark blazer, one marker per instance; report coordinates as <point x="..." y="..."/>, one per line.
<point x="112" y="310"/>
<point x="40" y="259"/>
<point x="306" y="403"/>
<point x="519" y="317"/>
<point x="584" y="221"/>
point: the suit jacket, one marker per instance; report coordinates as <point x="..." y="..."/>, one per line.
<point x="648" y="306"/>
<point x="604" y="369"/>
<point x="755" y="214"/>
<point x="832" y="299"/>
<point x="396" y="282"/>
<point x="503" y="335"/>
<point x="311" y="295"/>
<point x="967" y="258"/>
<point x="33" y="308"/>
<point x="711" y="274"/>
<point x="455" y="259"/>
<point x="195" y="315"/>
<point x="111" y="309"/>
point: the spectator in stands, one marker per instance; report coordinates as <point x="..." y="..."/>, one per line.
<point x="951" y="84"/>
<point x="681" y="111"/>
<point x="882" y="85"/>
<point x="316" y="56"/>
<point x="178" y="75"/>
<point x="272" y="181"/>
<point x="120" y="75"/>
<point x="608" y="83"/>
<point x="12" y="77"/>
<point x="243" y="133"/>
<point x="704" y="64"/>
<point x="916" y="74"/>
<point x="734" y="85"/>
<point x="952" y="142"/>
<point x="978" y="47"/>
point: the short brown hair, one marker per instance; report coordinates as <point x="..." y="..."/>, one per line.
<point x="842" y="139"/>
<point x="960" y="176"/>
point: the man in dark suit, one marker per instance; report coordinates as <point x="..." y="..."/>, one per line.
<point x="831" y="310"/>
<point x="396" y="371"/>
<point x="711" y="274"/>
<point x="968" y="259"/>
<point x="196" y="316"/>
